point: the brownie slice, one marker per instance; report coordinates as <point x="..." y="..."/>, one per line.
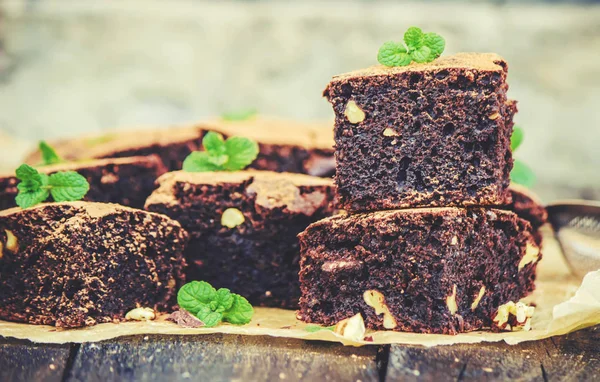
<point x="527" y="205"/>
<point x="285" y="146"/>
<point x="127" y="181"/>
<point x="430" y="270"/>
<point x="435" y="134"/>
<point x="243" y="227"/>
<point x="77" y="264"/>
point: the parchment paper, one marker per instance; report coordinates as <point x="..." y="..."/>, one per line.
<point x="563" y="304"/>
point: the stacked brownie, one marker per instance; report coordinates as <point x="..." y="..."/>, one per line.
<point x="423" y="163"/>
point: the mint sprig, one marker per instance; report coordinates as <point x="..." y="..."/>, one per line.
<point x="49" y="155"/>
<point x="521" y="173"/>
<point x="212" y="306"/>
<point x="35" y="187"/>
<point x="418" y="46"/>
<point x="233" y="154"/>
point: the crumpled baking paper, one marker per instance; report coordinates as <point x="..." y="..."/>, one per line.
<point x="563" y="304"/>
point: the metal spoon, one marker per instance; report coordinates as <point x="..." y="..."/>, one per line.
<point x="576" y="224"/>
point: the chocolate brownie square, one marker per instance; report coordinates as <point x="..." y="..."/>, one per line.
<point x="435" y="134"/>
<point x="243" y="227"/>
<point x="127" y="181"/>
<point x="429" y="270"/>
<point x="79" y="263"/>
<point x="285" y="146"/>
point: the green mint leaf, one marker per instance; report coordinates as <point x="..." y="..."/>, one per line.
<point x="68" y="186"/>
<point x="210" y="318"/>
<point x="241" y="151"/>
<point x="32" y="188"/>
<point x="224" y="300"/>
<point x="522" y="174"/>
<point x="414" y="38"/>
<point x="393" y="54"/>
<point x="239" y="115"/>
<point x="316" y="328"/>
<point x="49" y="155"/>
<point x="195" y="295"/>
<point x="25" y="172"/>
<point x="214" y="143"/>
<point x="218" y="160"/>
<point x="516" y="138"/>
<point x="436" y="43"/>
<point x="240" y="313"/>
<point x="200" y="161"/>
<point x="422" y="54"/>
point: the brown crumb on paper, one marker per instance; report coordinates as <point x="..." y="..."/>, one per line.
<point x="185" y="319"/>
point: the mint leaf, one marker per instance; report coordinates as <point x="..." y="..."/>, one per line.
<point x="234" y="154"/>
<point x="241" y="311"/>
<point x="414" y="38"/>
<point x="68" y="186"/>
<point x="241" y="151"/>
<point x="195" y="295"/>
<point x="316" y="328"/>
<point x="240" y="115"/>
<point x="214" y="143"/>
<point x="210" y="318"/>
<point x="422" y="54"/>
<point x="436" y="43"/>
<point x="516" y="138"/>
<point x="522" y="174"/>
<point x="393" y="54"/>
<point x="32" y="188"/>
<point x="49" y="155"/>
<point x="224" y="300"/>
<point x="200" y="161"/>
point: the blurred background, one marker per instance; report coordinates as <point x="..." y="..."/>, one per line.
<point x="72" y="67"/>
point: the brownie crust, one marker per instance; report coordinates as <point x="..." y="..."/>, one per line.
<point x="434" y="134"/>
<point x="126" y="181"/>
<point x="440" y="270"/>
<point x="259" y="257"/>
<point x="285" y="146"/>
<point x="78" y="263"/>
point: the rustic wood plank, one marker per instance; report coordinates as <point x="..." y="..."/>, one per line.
<point x="572" y="357"/>
<point x="26" y="361"/>
<point x="222" y="358"/>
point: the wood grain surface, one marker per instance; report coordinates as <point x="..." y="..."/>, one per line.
<point x="219" y="357"/>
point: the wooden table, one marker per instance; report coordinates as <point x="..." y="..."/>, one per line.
<point x="218" y="357"/>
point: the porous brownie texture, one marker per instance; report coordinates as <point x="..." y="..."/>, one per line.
<point x="126" y="181"/>
<point x="437" y="270"/>
<point x="435" y="134"/>
<point x="259" y="257"/>
<point x="285" y="146"/>
<point x="77" y="264"/>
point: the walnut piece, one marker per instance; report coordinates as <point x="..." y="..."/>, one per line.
<point x="478" y="298"/>
<point x="12" y="243"/>
<point x="353" y="113"/>
<point x="532" y="253"/>
<point x="520" y="311"/>
<point x="451" y="301"/>
<point x="352" y="328"/>
<point x="376" y="300"/>
<point x="232" y="217"/>
<point x="141" y="314"/>
<point x="389" y="132"/>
